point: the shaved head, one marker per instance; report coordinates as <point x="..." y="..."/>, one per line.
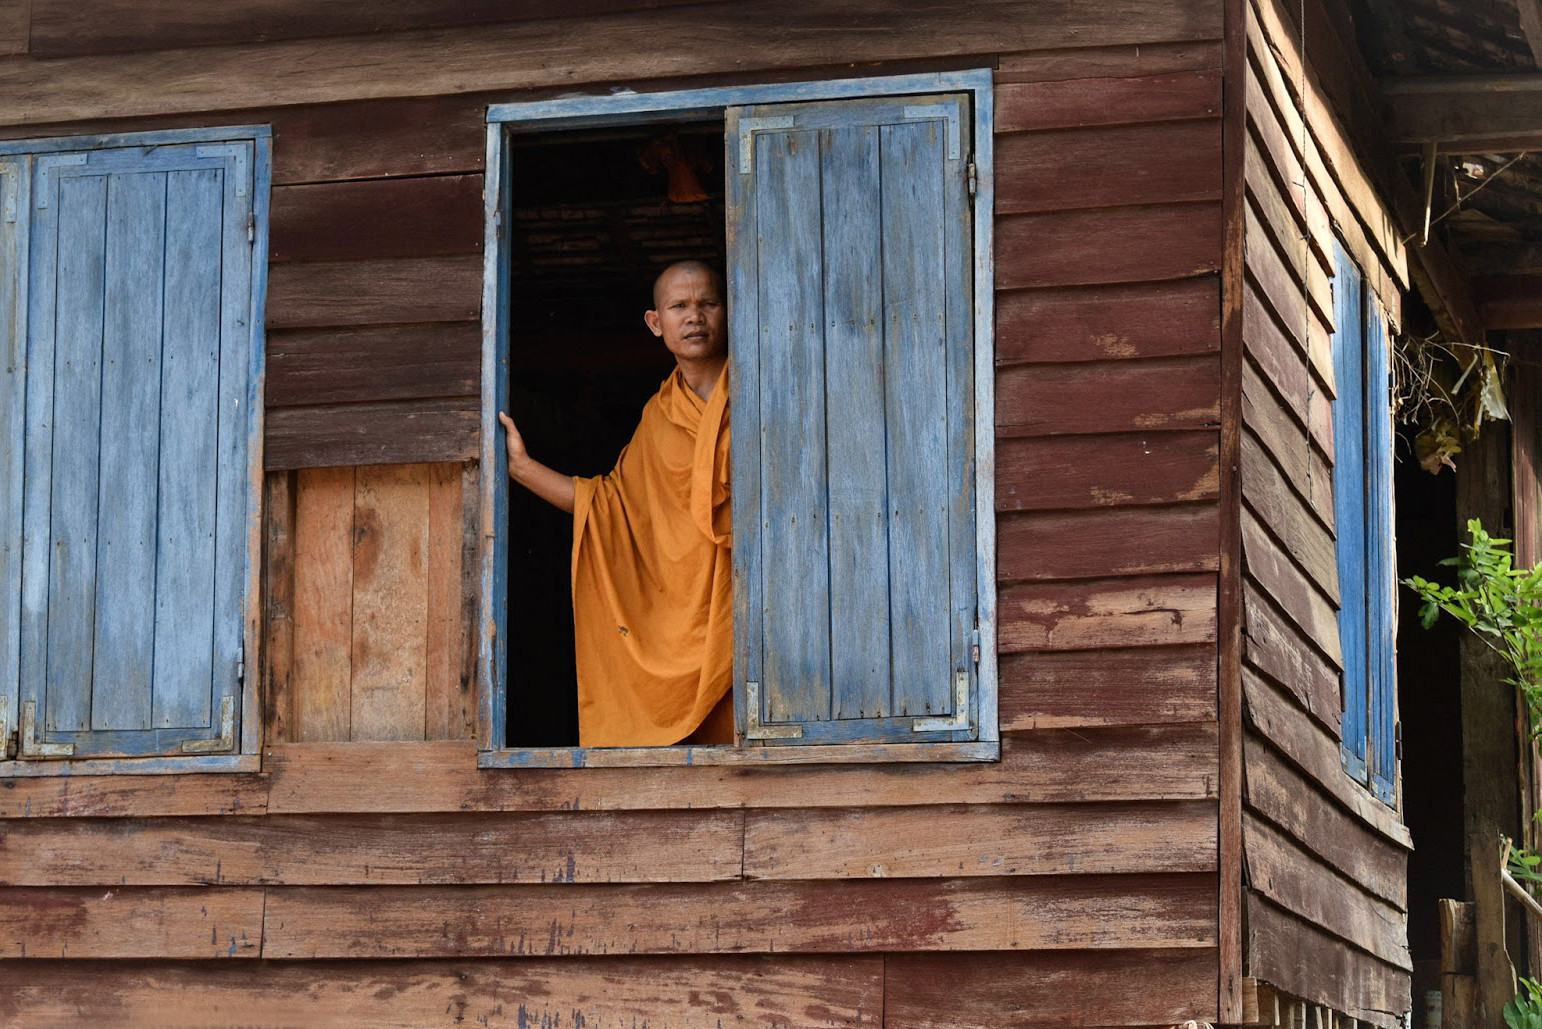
<point x="701" y="267"/>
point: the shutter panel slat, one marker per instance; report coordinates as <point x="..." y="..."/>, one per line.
<point x="129" y="434"/>
<point x="185" y="543"/>
<point x="854" y="388"/>
<point x="1349" y="501"/>
<point x="1381" y="567"/>
<point x="14" y="205"/>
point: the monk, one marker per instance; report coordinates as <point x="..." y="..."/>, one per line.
<point x="652" y="571"/>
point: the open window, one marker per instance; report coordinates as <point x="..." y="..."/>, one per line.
<point x="130" y="287"/>
<point x="858" y="278"/>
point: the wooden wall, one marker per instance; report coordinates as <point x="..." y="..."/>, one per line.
<point x="1325" y="863"/>
<point x="369" y="874"/>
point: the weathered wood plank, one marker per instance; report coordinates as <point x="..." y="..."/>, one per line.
<point x="278" y="606"/>
<point x="15" y="26"/>
<point x="665" y="993"/>
<point x="1095" y="614"/>
<point x="449" y="704"/>
<point x="375" y="292"/>
<point x="1279" y="155"/>
<point x="1108" y="62"/>
<point x="322" y="681"/>
<point x="372" y="363"/>
<point x="399" y="432"/>
<point x="1278" y="507"/>
<point x="1303" y="283"/>
<point x="1095" y="544"/>
<point x="130" y="923"/>
<point x="1008" y="991"/>
<point x="373" y="139"/>
<point x="376" y="850"/>
<point x="421" y="216"/>
<point x="935" y="842"/>
<point x="1062" y="169"/>
<point x="1053" y="913"/>
<point x="1306" y="962"/>
<point x="1285" y="797"/>
<point x="1108" y="396"/>
<point x="1265" y="563"/>
<point x="1106" y="470"/>
<point x="1118" y="99"/>
<point x="390" y="603"/>
<point x="1306" y="392"/>
<point x="1277" y="649"/>
<point x="1047" y="766"/>
<point x="1284" y="439"/>
<point x="118" y="796"/>
<point x="1157" y="319"/>
<point x="1138" y="686"/>
<point x="1109" y="245"/>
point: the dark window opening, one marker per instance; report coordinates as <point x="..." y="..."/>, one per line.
<point x="595" y="216"/>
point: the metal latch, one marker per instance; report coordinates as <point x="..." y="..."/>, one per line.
<point x="225" y="741"/>
<point x="753" y="729"/>
<point x="30" y="747"/>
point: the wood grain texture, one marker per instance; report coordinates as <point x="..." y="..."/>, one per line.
<point x="118" y="796"/>
<point x="398" y="432"/>
<point x="15" y="26"/>
<point x="374" y="139"/>
<point x="996" y="991"/>
<point x="449" y="708"/>
<point x="1095" y="614"/>
<point x="1266" y="564"/>
<point x="1096" y="543"/>
<point x="1276" y="505"/>
<point x="372" y="363"/>
<point x="1061" y="169"/>
<point x="420" y="216"/>
<point x="1114" y="396"/>
<point x="1308" y="963"/>
<point x="1137" y="686"/>
<point x="1047" y="766"/>
<point x="1115" y="99"/>
<point x="130" y="923"/>
<point x="939" y="842"/>
<point x="1095" y="323"/>
<point x="665" y="993"/>
<point x="278" y="605"/>
<point x="1282" y="437"/>
<point x="389" y="655"/>
<point x="1110" y="245"/>
<point x="322" y="683"/>
<point x="1092" y="62"/>
<point x="1105" y="470"/>
<point x="1276" y="649"/>
<point x="563" y="54"/>
<point x="387" y="291"/>
<point x="376" y="850"/>
<point x="740" y="918"/>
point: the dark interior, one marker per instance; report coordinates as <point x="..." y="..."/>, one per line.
<point x="595" y="216"/>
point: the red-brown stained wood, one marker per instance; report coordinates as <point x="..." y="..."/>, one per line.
<point x="1106" y="470"/>
<point x="1108" y="62"/>
<point x="1307" y="395"/>
<point x="1266" y="564"/>
<point x="375" y="292"/>
<point x="398" y="432"/>
<point x="1062" y="169"/>
<point x="1111" y="245"/>
<point x="1306" y="962"/>
<point x="1285" y="797"/>
<point x="278" y="604"/>
<point x="1046" y="766"/>
<point x="449" y="706"/>
<point x="373" y="139"/>
<point x="1138" y="686"/>
<point x="1093" y="323"/>
<point x="422" y="216"/>
<point x="15" y="18"/>
<point x="1115" y="99"/>
<point x="1277" y="225"/>
<point x="1120" y="396"/>
<point x="1297" y="881"/>
<point x="1095" y="614"/>
<point x="129" y="923"/>
<point x="1275" y="505"/>
<point x="1008" y="991"/>
<point x="372" y="849"/>
<point x="1302" y="280"/>
<point x="117" y="796"/>
<point x="1276" y="648"/>
<point x="322" y="671"/>
<point x="741" y="918"/>
<point x="830" y="992"/>
<point x="390" y="603"/>
<point x="373" y="363"/>
<point x="1097" y="543"/>
<point x="972" y="841"/>
<point x="1279" y="435"/>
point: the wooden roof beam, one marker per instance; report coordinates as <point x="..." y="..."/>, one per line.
<point x="1531" y="24"/>
<point x="1468" y="113"/>
<point x="1510" y="301"/>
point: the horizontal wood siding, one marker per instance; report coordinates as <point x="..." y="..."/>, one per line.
<point x="370" y="874"/>
<point x="1325" y="863"/>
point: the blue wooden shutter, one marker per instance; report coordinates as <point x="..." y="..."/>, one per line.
<point x="1381" y="561"/>
<point x="853" y="398"/>
<point x="1349" y="502"/>
<point x="136" y="498"/>
<point x="14" y="189"/>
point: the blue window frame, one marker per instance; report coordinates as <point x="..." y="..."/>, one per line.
<point x="131" y="280"/>
<point x="861" y="210"/>
<point x="1362" y="506"/>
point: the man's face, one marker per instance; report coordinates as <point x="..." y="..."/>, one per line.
<point x="690" y="317"/>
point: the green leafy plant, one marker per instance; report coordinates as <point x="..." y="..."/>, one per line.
<point x="1525" y="1010"/>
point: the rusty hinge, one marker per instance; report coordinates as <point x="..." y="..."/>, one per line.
<point x="29" y="746"/>
<point x="974" y="178"/>
<point x="225" y="741"/>
<point x="753" y="729"/>
<point x="974" y="647"/>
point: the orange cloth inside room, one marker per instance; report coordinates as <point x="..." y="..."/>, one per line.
<point x="653" y="578"/>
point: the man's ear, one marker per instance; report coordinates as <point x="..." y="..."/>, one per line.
<point x="652" y="318"/>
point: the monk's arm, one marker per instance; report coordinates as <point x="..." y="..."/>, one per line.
<point x="547" y="483"/>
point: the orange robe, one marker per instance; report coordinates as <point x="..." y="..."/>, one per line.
<point x="652" y="576"/>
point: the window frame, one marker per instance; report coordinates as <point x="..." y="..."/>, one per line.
<point x="246" y="753"/>
<point x="628" y="108"/>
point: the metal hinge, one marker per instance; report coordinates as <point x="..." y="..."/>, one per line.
<point x="29" y="745"/>
<point x="753" y="729"/>
<point x="225" y="741"/>
<point x="974" y="178"/>
<point x="959" y="719"/>
<point x="251" y="227"/>
<point x="974" y="647"/>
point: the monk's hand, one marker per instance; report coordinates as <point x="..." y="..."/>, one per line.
<point x="518" y="455"/>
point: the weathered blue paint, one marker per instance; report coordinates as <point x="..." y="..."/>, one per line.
<point x="1381" y="561"/>
<point x="983" y="313"/>
<point x="15" y="192"/>
<point x="719" y="756"/>
<point x="250" y="728"/>
<point x="492" y="623"/>
<point x="134" y="766"/>
<point x="108" y="141"/>
<point x="1349" y="501"/>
